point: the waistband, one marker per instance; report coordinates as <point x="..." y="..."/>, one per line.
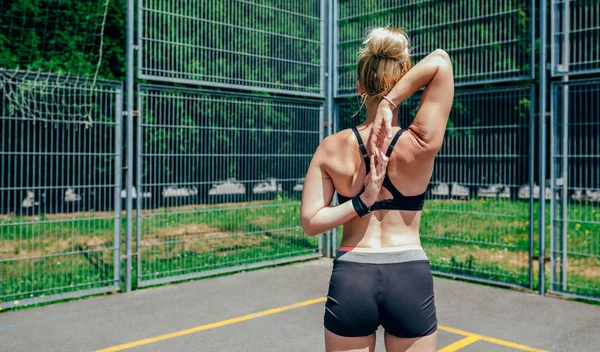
<point x="409" y="255"/>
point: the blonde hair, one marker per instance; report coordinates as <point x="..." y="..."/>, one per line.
<point x="382" y="61"/>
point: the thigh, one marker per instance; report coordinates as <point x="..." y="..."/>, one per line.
<point x="416" y="344"/>
<point x="336" y="343"/>
<point x="351" y="309"/>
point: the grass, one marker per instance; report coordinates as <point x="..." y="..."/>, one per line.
<point x="487" y="239"/>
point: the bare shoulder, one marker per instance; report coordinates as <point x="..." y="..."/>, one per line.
<point x="336" y="142"/>
<point x="334" y="148"/>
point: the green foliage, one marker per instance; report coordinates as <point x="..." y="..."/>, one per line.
<point x="63" y="37"/>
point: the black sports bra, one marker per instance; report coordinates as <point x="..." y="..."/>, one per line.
<point x="399" y="202"/>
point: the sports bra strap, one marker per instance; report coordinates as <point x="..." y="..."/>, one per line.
<point x="393" y="144"/>
<point x="361" y="145"/>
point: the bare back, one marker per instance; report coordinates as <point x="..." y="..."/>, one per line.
<point x="408" y="169"/>
<point x="338" y="164"/>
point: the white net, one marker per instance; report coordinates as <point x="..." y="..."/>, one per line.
<point x="51" y="49"/>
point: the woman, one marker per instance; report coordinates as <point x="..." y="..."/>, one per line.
<point x="381" y="275"/>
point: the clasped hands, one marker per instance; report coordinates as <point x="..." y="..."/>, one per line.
<point x="381" y="129"/>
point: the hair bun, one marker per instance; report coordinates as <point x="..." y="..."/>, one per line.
<point x="387" y="43"/>
<point x="382" y="60"/>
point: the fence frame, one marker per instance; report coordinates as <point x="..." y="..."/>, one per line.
<point x="140" y="75"/>
<point x="530" y="231"/>
<point x="562" y="70"/>
<point x="322" y="239"/>
<point x="116" y="282"/>
<point x="559" y="233"/>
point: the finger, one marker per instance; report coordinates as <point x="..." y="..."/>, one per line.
<point x="373" y="142"/>
<point x="374" y="150"/>
<point x="383" y="161"/>
<point x="384" y="157"/>
<point x="381" y="137"/>
<point x="373" y="168"/>
<point x="388" y="127"/>
<point x="374" y="137"/>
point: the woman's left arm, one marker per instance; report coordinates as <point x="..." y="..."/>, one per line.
<point x="316" y="214"/>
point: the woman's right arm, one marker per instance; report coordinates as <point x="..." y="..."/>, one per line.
<point x="434" y="73"/>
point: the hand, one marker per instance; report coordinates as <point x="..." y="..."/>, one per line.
<point x="382" y="126"/>
<point x="374" y="179"/>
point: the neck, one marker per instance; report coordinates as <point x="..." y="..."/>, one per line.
<point x="372" y="113"/>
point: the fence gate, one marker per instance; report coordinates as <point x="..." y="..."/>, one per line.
<point x="60" y="210"/>
<point x="219" y="172"/>
<point x="575" y="182"/>
<point x="218" y="192"/>
<point x="575" y="149"/>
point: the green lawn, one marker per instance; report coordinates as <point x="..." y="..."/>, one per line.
<point x="488" y="239"/>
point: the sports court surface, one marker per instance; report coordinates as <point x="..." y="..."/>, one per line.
<point x="281" y="309"/>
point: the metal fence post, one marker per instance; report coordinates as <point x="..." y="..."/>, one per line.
<point x="129" y="93"/>
<point x="542" y="139"/>
<point x="139" y="189"/>
<point x="565" y="145"/>
<point x="327" y="10"/>
<point x="118" y="184"/>
<point x="531" y="182"/>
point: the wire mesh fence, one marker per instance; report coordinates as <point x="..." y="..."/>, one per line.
<point x="275" y="46"/>
<point x="59" y="197"/>
<point x="575" y="177"/>
<point x="219" y="173"/>
<point x="219" y="178"/>
<point x="489" y="41"/>
<point x="575" y="28"/>
<point x="478" y="217"/>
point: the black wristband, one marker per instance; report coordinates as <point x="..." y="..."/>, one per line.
<point x="361" y="209"/>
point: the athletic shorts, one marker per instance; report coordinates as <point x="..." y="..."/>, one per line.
<point x="392" y="289"/>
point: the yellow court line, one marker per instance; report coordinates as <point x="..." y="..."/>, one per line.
<point x="460" y="344"/>
<point x="210" y="326"/>
<point x="490" y="339"/>
<point x="470" y="337"/>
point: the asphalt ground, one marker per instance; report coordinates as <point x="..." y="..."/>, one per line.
<point x="281" y="309"/>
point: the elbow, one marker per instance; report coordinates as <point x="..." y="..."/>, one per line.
<point x="306" y="226"/>
<point x="433" y="147"/>
<point x="441" y="53"/>
<point x="442" y="59"/>
<point x="310" y="231"/>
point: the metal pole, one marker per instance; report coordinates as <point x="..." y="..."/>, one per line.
<point x="333" y="78"/>
<point x="140" y="191"/>
<point x="322" y="237"/>
<point x="531" y="182"/>
<point x="554" y="187"/>
<point x="118" y="186"/>
<point x="328" y="62"/>
<point x="565" y="144"/>
<point x="129" y="94"/>
<point x="532" y="152"/>
<point x="542" y="132"/>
